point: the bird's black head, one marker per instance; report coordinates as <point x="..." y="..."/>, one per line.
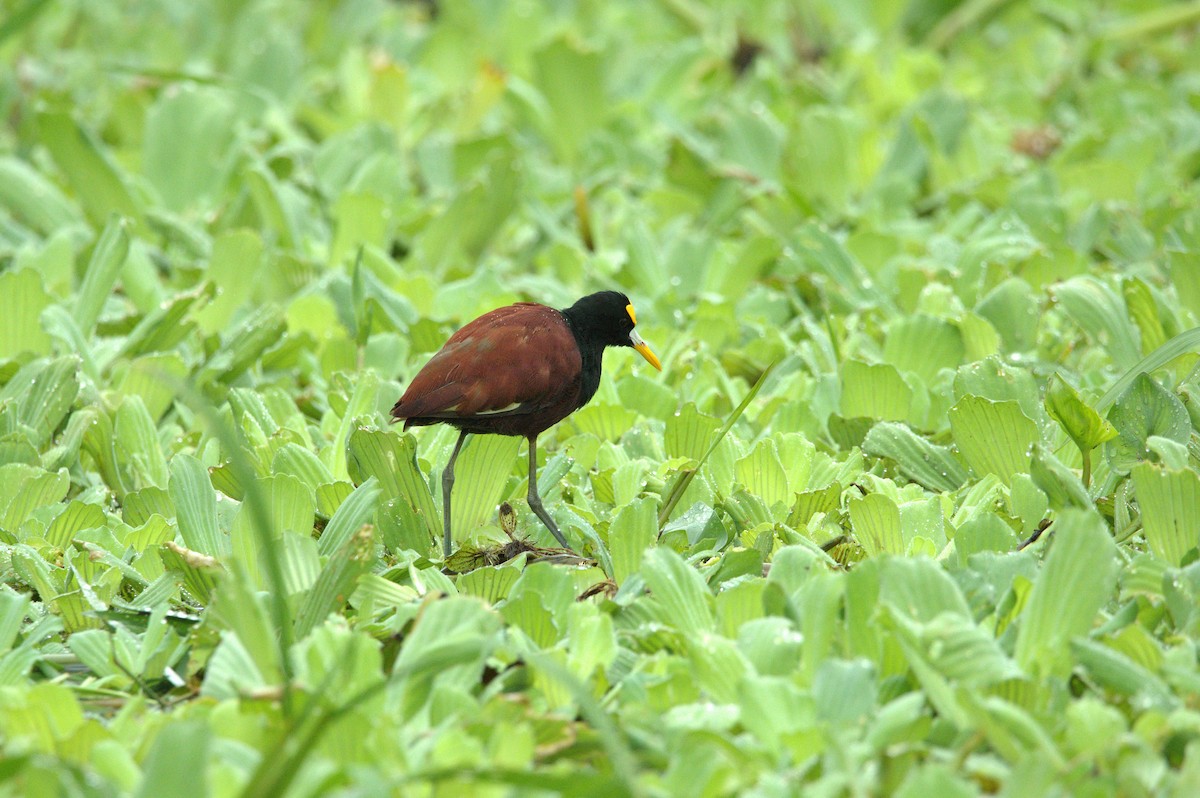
<point x="604" y="319"/>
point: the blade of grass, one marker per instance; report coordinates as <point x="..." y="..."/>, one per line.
<point x="256" y="500"/>
<point x="960" y="19"/>
<point x="279" y="766"/>
<point x="98" y="181"/>
<point x="21" y="17"/>
<point x="1182" y="344"/>
<point x="1154" y="22"/>
<point x="686" y="477"/>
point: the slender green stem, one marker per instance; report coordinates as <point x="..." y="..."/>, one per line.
<point x="686" y="476"/>
<point x="1155" y="22"/>
<point x="962" y="17"/>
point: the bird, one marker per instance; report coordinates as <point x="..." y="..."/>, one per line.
<point x="519" y="370"/>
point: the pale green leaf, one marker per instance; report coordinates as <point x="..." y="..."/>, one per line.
<point x="22" y="300"/>
<point x="993" y="437"/>
<point x="1078" y="419"/>
<point x="678" y="591"/>
<point x="101" y="273"/>
<point x="930" y="465"/>
<point x="1145" y="409"/>
<point x="195" y="503"/>
<point x="480" y="475"/>
<point x="874" y="391"/>
<point x="1074" y="583"/>
<point x="98" y="182"/>
<point x="923" y="345"/>
<point x="875" y="520"/>
<point x="392" y="460"/>
<point x="631" y="534"/>
<point x="1170" y="504"/>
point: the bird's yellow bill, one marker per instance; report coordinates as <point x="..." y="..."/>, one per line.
<point x="644" y="350"/>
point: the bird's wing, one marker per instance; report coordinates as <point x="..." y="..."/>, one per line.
<point x="511" y="361"/>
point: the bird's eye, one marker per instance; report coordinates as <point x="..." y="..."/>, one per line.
<point x="632" y="315"/>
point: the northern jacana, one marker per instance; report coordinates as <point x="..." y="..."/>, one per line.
<point x="519" y="370"/>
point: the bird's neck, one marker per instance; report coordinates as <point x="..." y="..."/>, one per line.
<point x="591" y="352"/>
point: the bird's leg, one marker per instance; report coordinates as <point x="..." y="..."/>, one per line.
<point x="447" y="487"/>
<point x="535" y="501"/>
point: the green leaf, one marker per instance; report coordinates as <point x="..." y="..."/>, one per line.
<point x="605" y="421"/>
<point x="452" y="632"/>
<point x="34" y="200"/>
<point x="273" y="211"/>
<point x="482" y="470"/>
<point x="29" y="489"/>
<point x="1182" y="344"/>
<point x="1143" y="311"/>
<point x="993" y="437"/>
<point x="76" y="517"/>
<point x="679" y="592"/>
<point x="463" y="229"/>
<point x="135" y="441"/>
<point x="237" y="258"/>
<point x="490" y="583"/>
<point x="919" y="589"/>
<point x="195" y="503"/>
<point x="631" y="534"/>
<point x="201" y="573"/>
<point x="958" y="649"/>
<point x="538" y="602"/>
<point x="844" y="691"/>
<point x="875" y="520"/>
<point x="97" y="180"/>
<point x="761" y="472"/>
<point x="22" y="300"/>
<point x="108" y="257"/>
<point x="392" y="460"/>
<point x="1013" y="732"/>
<point x="336" y="581"/>
<point x="363" y="401"/>
<point x="47" y="397"/>
<point x="155" y="378"/>
<point x="1061" y="485"/>
<point x="1118" y="672"/>
<point x="700" y="522"/>
<point x="1076" y="580"/>
<point x="689" y="433"/>
<point x="875" y="391"/>
<point x="771" y="645"/>
<point x="983" y="532"/>
<point x="300" y="462"/>
<point x="287" y="506"/>
<point x="685" y="478"/>
<point x="1081" y="422"/>
<point x="572" y="82"/>
<point x="1145" y="409"/>
<point x="243" y="346"/>
<point x="993" y="379"/>
<point x="137" y="506"/>
<point x="166" y="325"/>
<point x="1170" y="504"/>
<point x="923" y="345"/>
<point x="1012" y="309"/>
<point x="187" y="144"/>
<point x="929" y="465"/>
<point x="351" y="515"/>
<point x="1101" y="313"/>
